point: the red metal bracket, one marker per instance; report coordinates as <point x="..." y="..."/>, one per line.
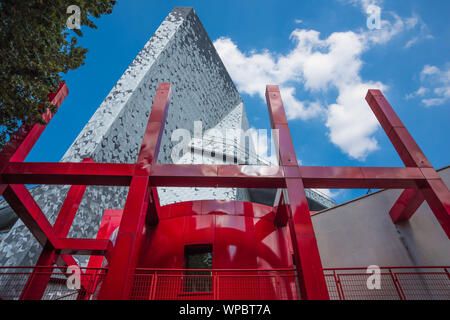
<point x="433" y="190"/>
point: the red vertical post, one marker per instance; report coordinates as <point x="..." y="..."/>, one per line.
<point x="435" y="192"/>
<point x="306" y="252"/>
<point x="123" y="263"/>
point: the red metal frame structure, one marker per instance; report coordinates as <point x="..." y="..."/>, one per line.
<point x="418" y="178"/>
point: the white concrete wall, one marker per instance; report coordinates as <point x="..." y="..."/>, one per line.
<point x="361" y="233"/>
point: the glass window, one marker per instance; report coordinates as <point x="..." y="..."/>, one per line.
<point x="198" y="257"/>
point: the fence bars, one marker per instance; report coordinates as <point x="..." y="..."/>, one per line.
<point x="397" y="283"/>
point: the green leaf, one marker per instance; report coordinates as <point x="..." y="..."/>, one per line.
<point x="35" y="50"/>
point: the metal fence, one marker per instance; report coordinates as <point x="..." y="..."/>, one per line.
<point x="179" y="284"/>
<point x="182" y="284"/>
<point x="397" y="283"/>
<point x="14" y="281"/>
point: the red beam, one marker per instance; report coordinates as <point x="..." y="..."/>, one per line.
<point x="26" y="208"/>
<point x="69" y="207"/>
<point x="437" y="196"/>
<point x="119" y="280"/>
<point x="306" y="252"/>
<point x="64" y="260"/>
<point x="38" y="280"/>
<point x="361" y="177"/>
<point x="216" y="176"/>
<point x="95" y="247"/>
<point x="406" y="205"/>
<point x="434" y="190"/>
<point x="116" y="174"/>
<point x="100" y="174"/>
<point x="401" y="139"/>
<point x="110" y="221"/>
<point x="148" y="154"/>
<point x="24" y="139"/>
<point x="161" y="175"/>
<point x="171" y="175"/>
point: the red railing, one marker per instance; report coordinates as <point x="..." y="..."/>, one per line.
<point x="225" y="284"/>
<point x="13" y="281"/>
<point x="397" y="283"/>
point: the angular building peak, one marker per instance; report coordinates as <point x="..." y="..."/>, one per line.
<point x="180" y="52"/>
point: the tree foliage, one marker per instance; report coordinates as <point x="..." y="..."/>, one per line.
<point x="36" y="48"/>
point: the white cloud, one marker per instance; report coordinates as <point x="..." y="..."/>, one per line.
<point x="365" y="3"/>
<point x="419" y="93"/>
<point x="429" y="70"/>
<point x="390" y="29"/>
<point x="318" y="65"/>
<point x="254" y="71"/>
<point x="421" y="31"/>
<point x="435" y="89"/>
<point x="350" y="122"/>
<point x="433" y="102"/>
<point x="411" y="42"/>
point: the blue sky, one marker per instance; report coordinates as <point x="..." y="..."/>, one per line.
<point x="321" y="53"/>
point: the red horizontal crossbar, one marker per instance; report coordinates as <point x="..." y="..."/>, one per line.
<point x="65" y="173"/>
<point x="361" y="177"/>
<point x="170" y="175"/>
<point x="95" y="247"/>
<point x="216" y="176"/>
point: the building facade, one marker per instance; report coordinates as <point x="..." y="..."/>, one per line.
<point x="219" y="242"/>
